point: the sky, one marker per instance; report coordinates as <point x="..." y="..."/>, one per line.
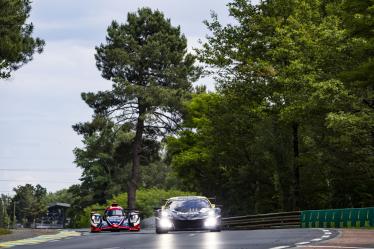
<point x="41" y="101"/>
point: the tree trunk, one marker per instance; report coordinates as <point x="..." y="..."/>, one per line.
<point x="135" y="171"/>
<point x="296" y="167"/>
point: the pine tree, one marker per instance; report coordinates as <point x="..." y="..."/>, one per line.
<point x="17" y="46"/>
<point x="147" y="60"/>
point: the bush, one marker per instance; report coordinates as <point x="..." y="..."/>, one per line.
<point x="4" y="231"/>
<point x="146" y="201"/>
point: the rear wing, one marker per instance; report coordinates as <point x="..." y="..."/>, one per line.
<point x="97" y="210"/>
<point x="131" y="210"/>
<point x="126" y="210"/>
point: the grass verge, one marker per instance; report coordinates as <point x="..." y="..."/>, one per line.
<point x="4" y="231"/>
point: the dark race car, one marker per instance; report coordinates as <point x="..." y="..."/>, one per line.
<point x="115" y="218"/>
<point x="188" y="213"/>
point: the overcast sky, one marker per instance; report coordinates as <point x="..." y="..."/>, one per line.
<point x="41" y="102"/>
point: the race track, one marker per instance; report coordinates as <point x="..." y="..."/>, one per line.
<point x="147" y="239"/>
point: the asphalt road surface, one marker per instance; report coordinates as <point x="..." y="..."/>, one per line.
<point x="147" y="239"/>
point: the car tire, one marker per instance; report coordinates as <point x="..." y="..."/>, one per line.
<point x="160" y="231"/>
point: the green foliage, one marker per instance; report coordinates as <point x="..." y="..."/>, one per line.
<point x="63" y="195"/>
<point x="147" y="60"/>
<point x="293" y="117"/>
<point x="17" y="45"/>
<point x="29" y="203"/>
<point x="147" y="200"/>
<point x="104" y="159"/>
<point x="4" y="231"/>
<point x="106" y="162"/>
<point x="4" y="211"/>
<point x="216" y="158"/>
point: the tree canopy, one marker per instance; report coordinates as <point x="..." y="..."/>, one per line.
<point x="292" y="118"/>
<point x="17" y="45"/>
<point x="30" y="203"/>
<point x="147" y="60"/>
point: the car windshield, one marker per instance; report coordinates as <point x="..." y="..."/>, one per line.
<point x="188" y="205"/>
<point x="114" y="212"/>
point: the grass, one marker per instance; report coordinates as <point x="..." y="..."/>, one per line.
<point x="4" y="231"/>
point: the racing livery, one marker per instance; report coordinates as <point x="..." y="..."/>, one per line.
<point x="115" y="218"/>
<point x="188" y="213"/>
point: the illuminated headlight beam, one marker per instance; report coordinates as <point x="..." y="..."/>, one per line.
<point x="210" y="222"/>
<point x="165" y="223"/>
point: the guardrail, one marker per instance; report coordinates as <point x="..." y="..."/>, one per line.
<point x="261" y="221"/>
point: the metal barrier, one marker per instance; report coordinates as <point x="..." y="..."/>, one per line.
<point x="261" y="221"/>
<point x="336" y="218"/>
<point x="333" y="218"/>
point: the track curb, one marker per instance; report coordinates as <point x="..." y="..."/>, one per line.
<point x="41" y="239"/>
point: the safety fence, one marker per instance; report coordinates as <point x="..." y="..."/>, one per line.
<point x="261" y="221"/>
<point x="338" y="218"/>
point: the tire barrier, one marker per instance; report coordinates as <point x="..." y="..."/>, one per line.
<point x="338" y="218"/>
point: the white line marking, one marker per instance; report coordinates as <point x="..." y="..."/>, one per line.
<point x="341" y="247"/>
<point x="191" y="234"/>
<point x="325" y="230"/>
<point x="325" y="236"/>
<point x="318" y="239"/>
<point x="303" y="243"/>
<point x="327" y="233"/>
<point x="280" y="247"/>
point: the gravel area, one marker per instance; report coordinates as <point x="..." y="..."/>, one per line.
<point x="353" y="238"/>
<point x="18" y="234"/>
<point x="348" y="239"/>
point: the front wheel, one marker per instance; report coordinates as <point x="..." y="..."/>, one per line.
<point x="160" y="231"/>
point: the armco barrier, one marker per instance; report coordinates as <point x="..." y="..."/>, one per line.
<point x="260" y="221"/>
<point x="336" y="218"/>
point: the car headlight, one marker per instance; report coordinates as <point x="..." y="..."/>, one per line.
<point x="165" y="223"/>
<point x="164" y="213"/>
<point x="95" y="219"/>
<point x="134" y="218"/>
<point x="210" y="222"/>
<point x="211" y="213"/>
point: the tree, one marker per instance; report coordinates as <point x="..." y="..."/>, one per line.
<point x="29" y="202"/>
<point x="294" y="79"/>
<point x="147" y="60"/>
<point x="4" y="206"/>
<point x="17" y="46"/>
<point x="352" y="127"/>
<point x="221" y="150"/>
<point x="106" y="156"/>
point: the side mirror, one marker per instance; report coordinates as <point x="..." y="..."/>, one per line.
<point x="213" y="205"/>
